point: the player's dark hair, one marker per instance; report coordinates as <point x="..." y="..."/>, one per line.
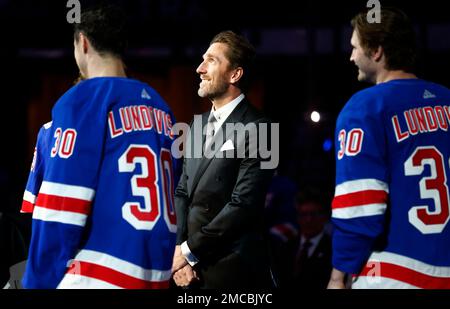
<point x="106" y="29"/>
<point x="240" y="53"/>
<point x="394" y="33"/>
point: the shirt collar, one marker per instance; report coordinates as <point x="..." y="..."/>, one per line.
<point x="223" y="112"/>
<point x="314" y="240"/>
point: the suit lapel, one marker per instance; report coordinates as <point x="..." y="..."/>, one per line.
<point x="235" y="116"/>
<point x="194" y="161"/>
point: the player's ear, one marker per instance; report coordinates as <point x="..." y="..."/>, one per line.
<point x="377" y="54"/>
<point x="237" y="74"/>
<point x="85" y="44"/>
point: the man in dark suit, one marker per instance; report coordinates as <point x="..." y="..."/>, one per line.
<point x="304" y="262"/>
<point x="219" y="200"/>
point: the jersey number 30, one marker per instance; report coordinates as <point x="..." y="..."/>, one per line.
<point x="350" y="143"/>
<point x="146" y="185"/>
<point x="432" y="187"/>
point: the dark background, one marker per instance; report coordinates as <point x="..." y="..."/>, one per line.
<point x="302" y="65"/>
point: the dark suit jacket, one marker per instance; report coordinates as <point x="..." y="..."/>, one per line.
<point x="219" y="205"/>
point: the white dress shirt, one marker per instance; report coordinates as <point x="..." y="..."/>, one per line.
<point x="221" y="114"/>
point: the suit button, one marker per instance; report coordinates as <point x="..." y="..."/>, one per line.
<point x="207" y="207"/>
<point x="187" y="177"/>
<point x="218" y="178"/>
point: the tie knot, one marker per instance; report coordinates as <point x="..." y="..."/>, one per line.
<point x="211" y="117"/>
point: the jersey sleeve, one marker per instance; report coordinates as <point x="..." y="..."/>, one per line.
<point x="63" y="203"/>
<point x="36" y="171"/>
<point x="361" y="193"/>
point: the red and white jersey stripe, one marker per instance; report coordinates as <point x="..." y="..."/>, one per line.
<point x="92" y="269"/>
<point x="63" y="203"/>
<point x="390" y="270"/>
<point x="29" y="199"/>
<point x="360" y="198"/>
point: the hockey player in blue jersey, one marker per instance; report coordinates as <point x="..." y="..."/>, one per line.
<point x="101" y="188"/>
<point x="391" y="207"/>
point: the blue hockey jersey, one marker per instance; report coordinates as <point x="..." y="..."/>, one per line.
<point x="104" y="214"/>
<point x="391" y="207"/>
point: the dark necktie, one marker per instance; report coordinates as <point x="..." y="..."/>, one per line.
<point x="210" y="130"/>
<point x="302" y="256"/>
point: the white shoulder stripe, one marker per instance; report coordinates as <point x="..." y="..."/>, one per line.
<point x="361" y="185"/>
<point x="59" y="189"/>
<point x="48" y="125"/>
